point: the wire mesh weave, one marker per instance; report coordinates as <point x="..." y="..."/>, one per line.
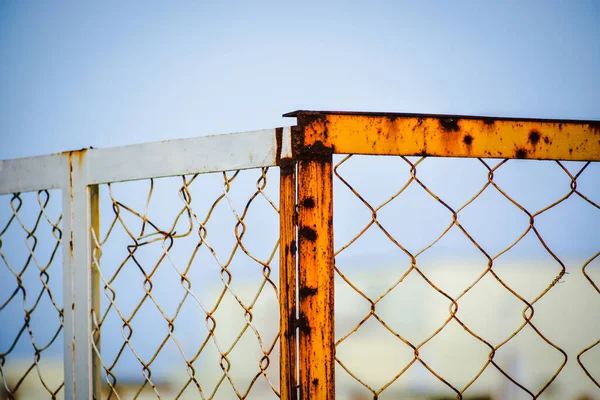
<point x="31" y="313"/>
<point x="416" y="271"/>
<point x="189" y="229"/>
<point x="158" y="247"/>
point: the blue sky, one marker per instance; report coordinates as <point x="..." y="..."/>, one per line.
<point x="111" y="74"/>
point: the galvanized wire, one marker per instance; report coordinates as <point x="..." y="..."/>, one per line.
<point x="20" y="213"/>
<point x="196" y="227"/>
<point x="527" y="312"/>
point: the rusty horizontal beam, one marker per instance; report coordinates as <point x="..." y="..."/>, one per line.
<point x="446" y="136"/>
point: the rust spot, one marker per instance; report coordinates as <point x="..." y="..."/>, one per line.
<point x="314" y="121"/>
<point x="316" y="151"/>
<point x="309" y="203"/>
<point x="72" y="306"/>
<point x="489" y="121"/>
<point x="297" y="139"/>
<point x="308" y="118"/>
<point x="291" y="322"/>
<point x="78" y="155"/>
<point x="302" y="323"/>
<point x="570" y="150"/>
<point x="468" y="139"/>
<point x="308" y="233"/>
<point x="449" y="124"/>
<point x="70" y="177"/>
<point x="293" y="247"/>
<point x="546" y="140"/>
<point x="534" y="137"/>
<point x="520" y="153"/>
<point x="287" y="166"/>
<point x="307" y="291"/>
<point x="291" y="329"/>
<point x="315" y="381"/>
<point x="278" y="140"/>
<point x="287" y="249"/>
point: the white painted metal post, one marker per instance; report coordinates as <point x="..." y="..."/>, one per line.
<point x="79" y="201"/>
<point x="67" y="222"/>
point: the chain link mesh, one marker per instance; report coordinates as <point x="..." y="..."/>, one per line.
<point x="189" y="300"/>
<point x="430" y="362"/>
<point x="205" y="255"/>
<point x="31" y="313"/>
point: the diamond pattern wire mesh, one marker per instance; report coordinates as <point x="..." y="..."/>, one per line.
<point x="190" y="309"/>
<point x="31" y="313"/>
<point x="348" y="344"/>
<point x="588" y="276"/>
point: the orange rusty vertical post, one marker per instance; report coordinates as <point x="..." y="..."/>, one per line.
<point x="315" y="273"/>
<point x="287" y="279"/>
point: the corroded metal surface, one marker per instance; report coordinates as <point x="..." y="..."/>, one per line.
<point x="287" y="280"/>
<point x="315" y="279"/>
<point x="448" y="136"/>
<point x="321" y="134"/>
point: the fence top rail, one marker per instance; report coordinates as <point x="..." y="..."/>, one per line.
<point x="256" y="149"/>
<point x="32" y="173"/>
<point x="446" y="135"/>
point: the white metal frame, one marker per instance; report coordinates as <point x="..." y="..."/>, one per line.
<point x="77" y="174"/>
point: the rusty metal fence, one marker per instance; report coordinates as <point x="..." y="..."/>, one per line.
<point x="209" y="268"/>
<point x="507" y="278"/>
<point x="426" y="325"/>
